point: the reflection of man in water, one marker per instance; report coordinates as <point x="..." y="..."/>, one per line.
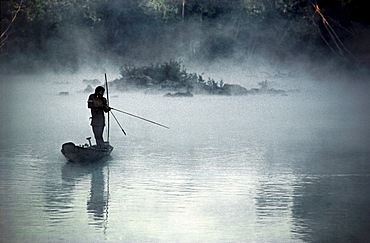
<point x="98" y="105"/>
<point x="97" y="205"/>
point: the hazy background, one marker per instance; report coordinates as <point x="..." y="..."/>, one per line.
<point x="256" y="35"/>
<point x="251" y="168"/>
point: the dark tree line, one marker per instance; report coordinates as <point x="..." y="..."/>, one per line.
<point x="65" y="34"/>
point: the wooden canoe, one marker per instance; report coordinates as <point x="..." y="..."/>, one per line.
<point x="85" y="153"/>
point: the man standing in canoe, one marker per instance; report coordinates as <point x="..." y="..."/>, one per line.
<point x="98" y="105"/>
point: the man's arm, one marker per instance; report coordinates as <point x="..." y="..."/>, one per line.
<point x="94" y="102"/>
<point x="106" y="108"/>
<point x="90" y="101"/>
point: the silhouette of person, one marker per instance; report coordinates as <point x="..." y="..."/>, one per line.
<point x="98" y="105"/>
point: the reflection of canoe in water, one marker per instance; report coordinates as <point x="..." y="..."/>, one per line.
<point x="85" y="153"/>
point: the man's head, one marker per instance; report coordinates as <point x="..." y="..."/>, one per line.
<point x="99" y="90"/>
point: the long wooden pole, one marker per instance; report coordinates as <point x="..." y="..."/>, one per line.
<point x="106" y="87"/>
<point x="118" y="123"/>
<point x="124" y="112"/>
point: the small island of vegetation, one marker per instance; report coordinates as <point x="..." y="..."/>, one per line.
<point x="172" y="79"/>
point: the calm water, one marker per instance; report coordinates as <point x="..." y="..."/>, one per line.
<point x="231" y="169"/>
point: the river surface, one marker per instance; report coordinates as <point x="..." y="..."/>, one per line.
<point x="256" y="168"/>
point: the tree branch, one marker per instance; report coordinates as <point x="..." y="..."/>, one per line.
<point x="4" y="36"/>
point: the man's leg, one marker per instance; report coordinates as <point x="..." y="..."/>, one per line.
<point x="98" y="133"/>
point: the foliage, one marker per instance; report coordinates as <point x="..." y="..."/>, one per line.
<point x="172" y="76"/>
<point x="158" y="73"/>
<point x="165" y="10"/>
<point x="168" y="75"/>
<point x="64" y="33"/>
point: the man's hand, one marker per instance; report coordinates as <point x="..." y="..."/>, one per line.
<point x="106" y="108"/>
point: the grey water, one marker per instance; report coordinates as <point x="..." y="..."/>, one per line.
<point x="256" y="168"/>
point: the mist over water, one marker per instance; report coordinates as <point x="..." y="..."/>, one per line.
<point x="256" y="168"/>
